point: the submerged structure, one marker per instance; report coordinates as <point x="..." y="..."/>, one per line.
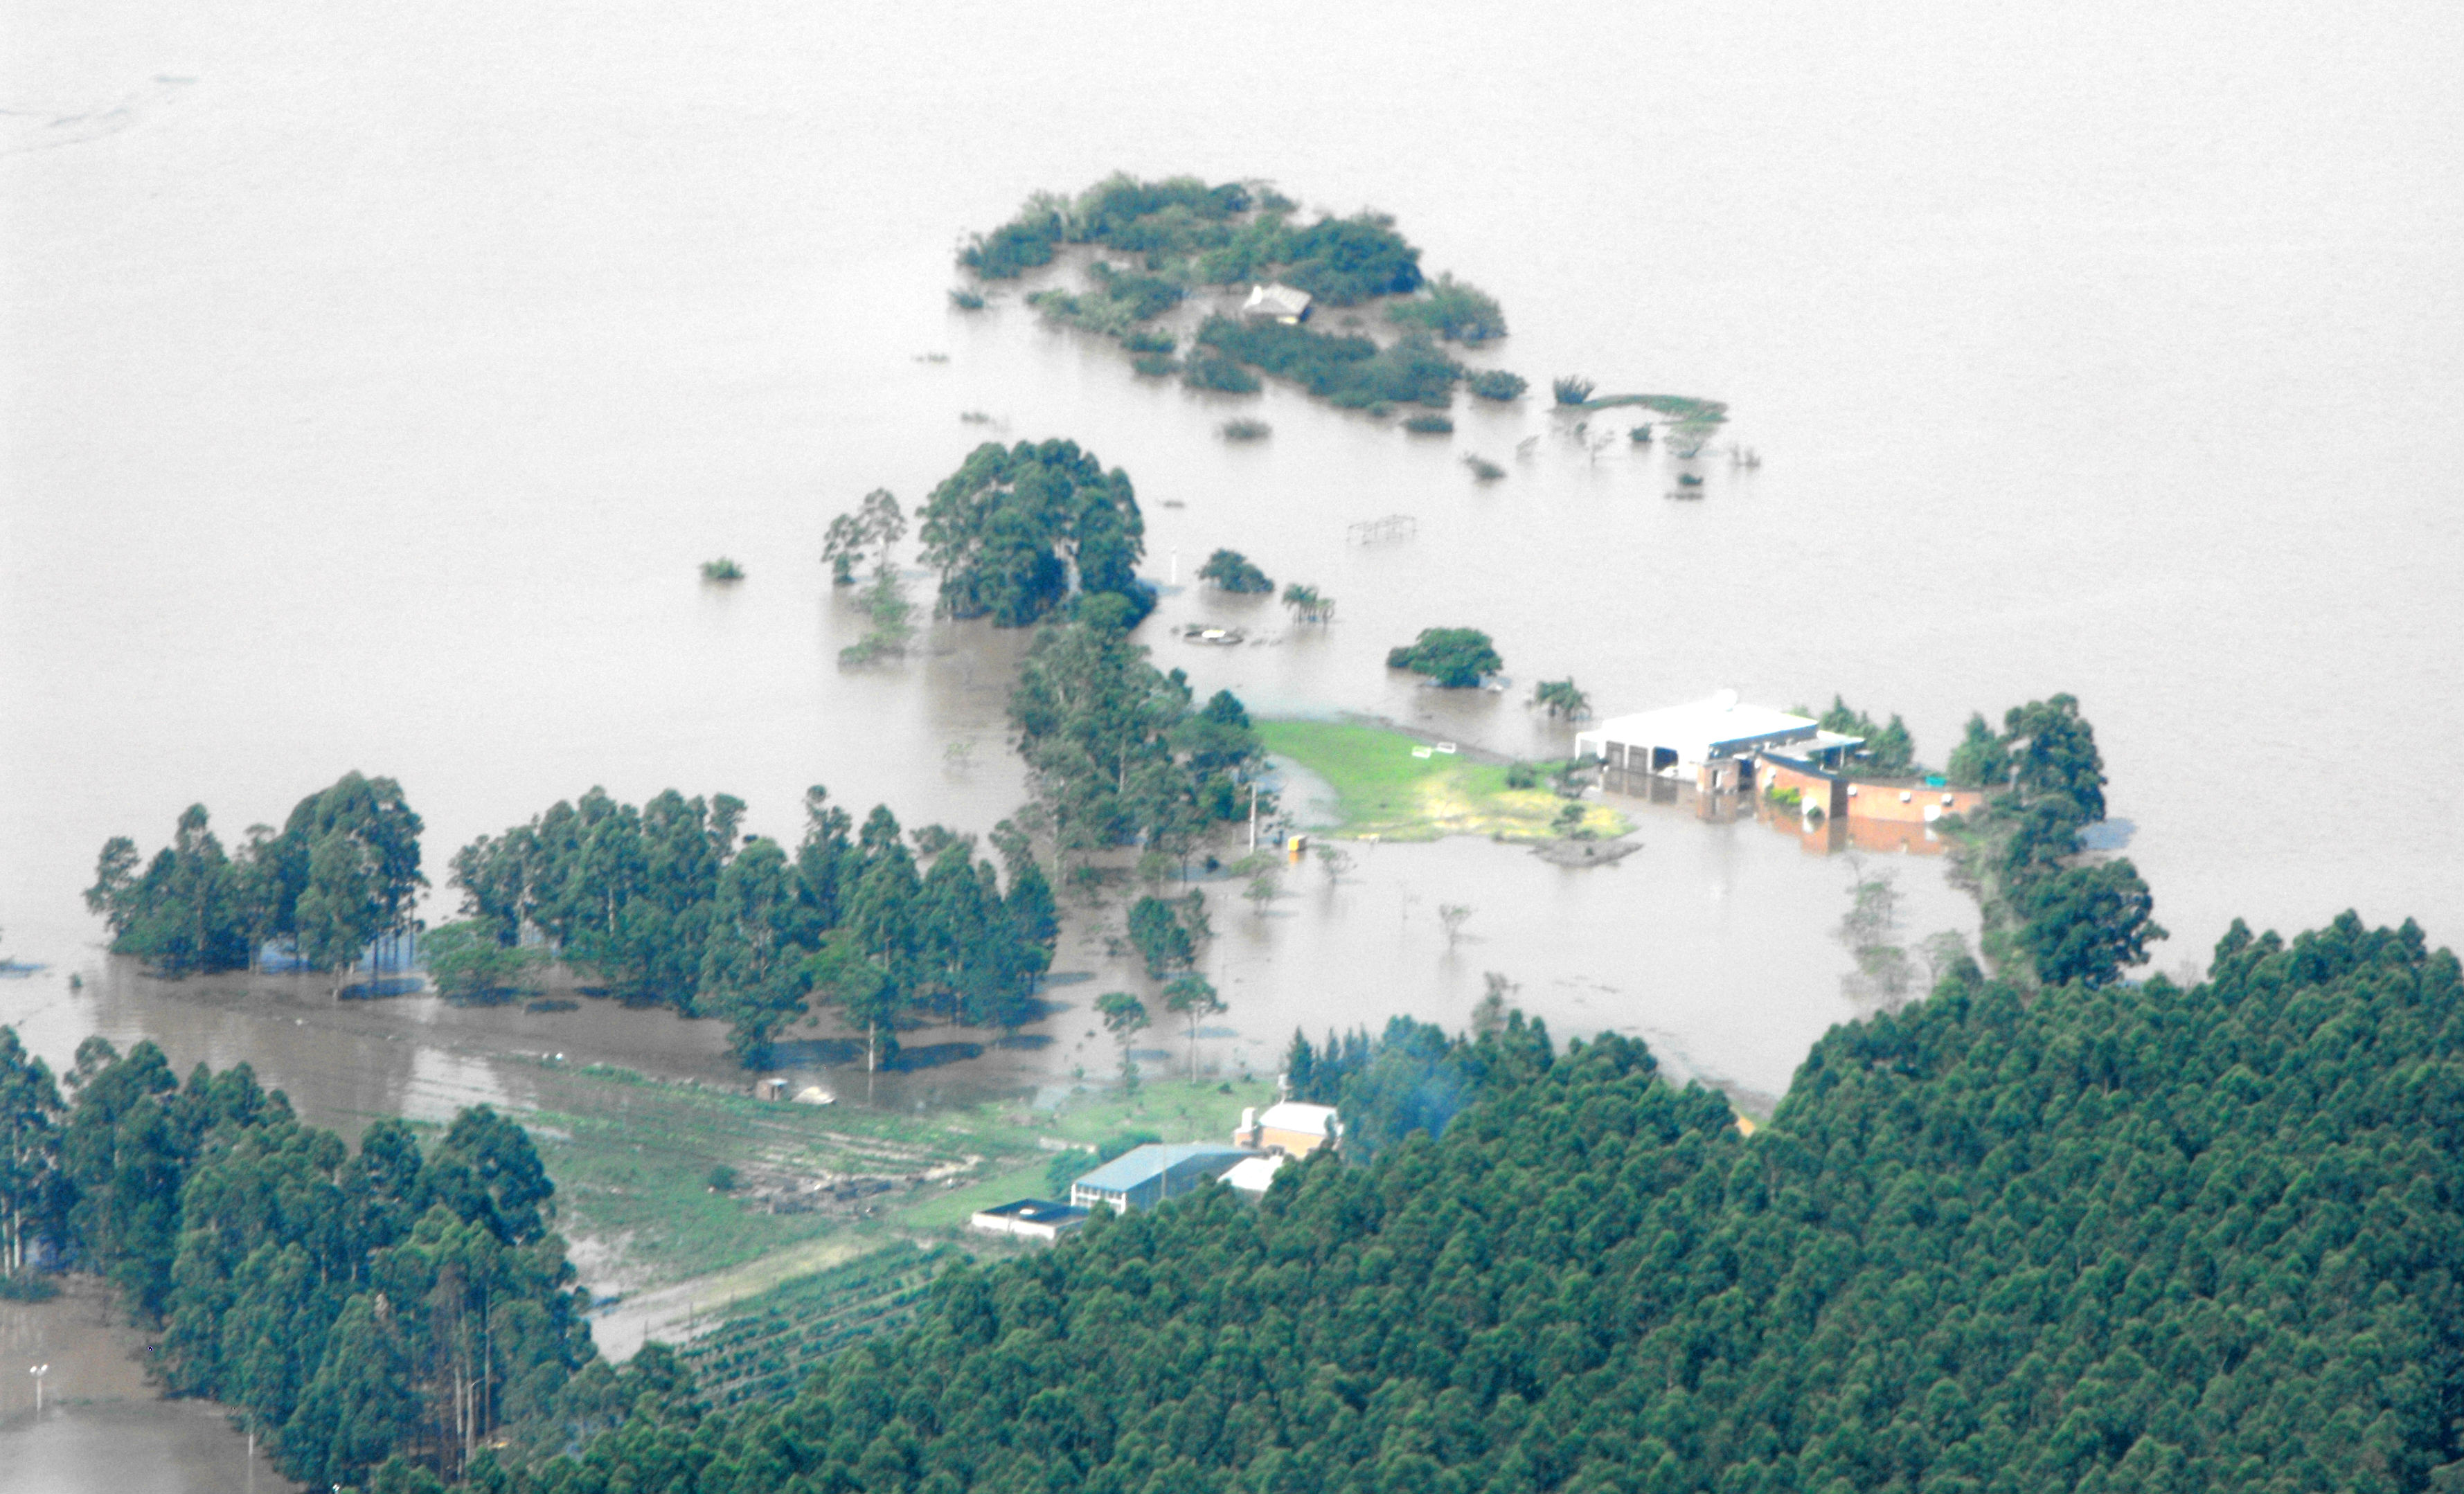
<point x="1720" y="745"/>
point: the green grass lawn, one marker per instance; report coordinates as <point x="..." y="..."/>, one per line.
<point x="1383" y="790"/>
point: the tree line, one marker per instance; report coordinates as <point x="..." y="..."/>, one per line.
<point x="342" y="872"/>
<point x="2101" y="1238"/>
<point x="407" y="1304"/>
<point x="666" y="904"/>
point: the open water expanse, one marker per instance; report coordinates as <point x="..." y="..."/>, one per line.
<point x="375" y="378"/>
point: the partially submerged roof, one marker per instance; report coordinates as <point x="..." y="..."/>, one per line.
<point x="1142" y="1164"/>
<point x="1275" y="299"/>
<point x="1706" y="729"/>
<point x="1310" y="1120"/>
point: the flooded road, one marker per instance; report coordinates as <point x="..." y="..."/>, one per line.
<point x="376" y="381"/>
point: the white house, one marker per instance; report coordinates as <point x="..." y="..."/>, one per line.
<point x="1290" y="1128"/>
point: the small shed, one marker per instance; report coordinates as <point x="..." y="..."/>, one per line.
<point x="1032" y="1218"/>
<point x="1144" y="1177"/>
<point x="1275" y="301"/>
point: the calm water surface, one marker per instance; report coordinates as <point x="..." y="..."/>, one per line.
<point x="374" y="386"/>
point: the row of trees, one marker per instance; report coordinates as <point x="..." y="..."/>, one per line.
<point x="342" y="872"/>
<point x="1119" y="752"/>
<point x="2106" y="1237"/>
<point x="664" y="903"/>
<point x="1346" y="369"/>
<point x="405" y="1302"/>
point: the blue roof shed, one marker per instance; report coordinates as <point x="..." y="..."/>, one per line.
<point x="1144" y="1177"/>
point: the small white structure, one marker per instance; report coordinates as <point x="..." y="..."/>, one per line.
<point x="1254" y="1175"/>
<point x="1034" y="1218"/>
<point x="815" y="1094"/>
<point x="1275" y="301"/>
<point x="1290" y="1128"/>
<point x="1714" y="743"/>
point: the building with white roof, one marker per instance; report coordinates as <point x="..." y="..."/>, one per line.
<point x="1276" y="302"/>
<point x="1290" y="1128"/>
<point x="1716" y="744"/>
<point x="1254" y="1176"/>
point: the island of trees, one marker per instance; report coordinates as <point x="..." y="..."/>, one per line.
<point x="1454" y="658"/>
<point x="1157" y="243"/>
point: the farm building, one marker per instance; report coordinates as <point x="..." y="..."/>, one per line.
<point x="1035" y="1218"/>
<point x="1253" y="1176"/>
<point x="1144" y="1177"/>
<point x="1718" y="744"/>
<point x="1290" y="1128"/>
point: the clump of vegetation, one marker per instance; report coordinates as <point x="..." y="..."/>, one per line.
<point x="1307" y="604"/>
<point x="1244" y="429"/>
<point x="1232" y="571"/>
<point x="1117" y="751"/>
<point x="1147" y="339"/>
<point x="967" y="300"/>
<point x="1562" y="698"/>
<point x="1639" y="436"/>
<point x="1783" y="797"/>
<point x="721" y="569"/>
<point x="1495" y="384"/>
<point x="873" y="526"/>
<point x="1008" y="527"/>
<point x="1155" y="365"/>
<point x="466" y="963"/>
<point x="1453" y="310"/>
<point x="1430" y="426"/>
<point x="1347" y="370"/>
<point x="343" y="872"/>
<point x="1482" y="468"/>
<point x="1889" y="751"/>
<point x="890" y="614"/>
<point x="1213" y="371"/>
<point x="723" y="1178"/>
<point x="1571" y="389"/>
<point x="1115" y="303"/>
<point x="1456" y="658"/>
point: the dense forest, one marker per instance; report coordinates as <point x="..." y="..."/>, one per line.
<point x="663" y="904"/>
<point x="402" y="1304"/>
<point x="2112" y="1238"/>
<point x="1008" y="530"/>
<point x="343" y="869"/>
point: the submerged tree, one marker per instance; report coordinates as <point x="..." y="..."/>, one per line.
<point x="1010" y="527"/>
<point x="1456" y="658"/>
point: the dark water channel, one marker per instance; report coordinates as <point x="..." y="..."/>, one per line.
<point x="371" y="399"/>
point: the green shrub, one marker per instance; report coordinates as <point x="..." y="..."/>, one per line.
<point x="1572" y="389"/>
<point x="1454" y="657"/>
<point x="1244" y="429"/>
<point x="721" y="569"/>
<point x="723" y="1178"/>
<point x="1639" y="436"/>
<point x="1482" y="468"/>
<point x="1156" y="365"/>
<point x="1521" y="775"/>
<point x="1495" y="384"/>
<point x="1232" y="571"/>
<point x="1349" y="371"/>
<point x="966" y="300"/>
<point x="1014" y="248"/>
<point x="1453" y="310"/>
<point x="1147" y="339"/>
<point x="1429" y="426"/>
<point x="1213" y="371"/>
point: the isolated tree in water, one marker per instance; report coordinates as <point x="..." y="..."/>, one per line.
<point x="1191" y="999"/>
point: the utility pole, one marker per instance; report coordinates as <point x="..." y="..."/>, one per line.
<point x="1253" y="817"/>
<point x="38" y="1371"/>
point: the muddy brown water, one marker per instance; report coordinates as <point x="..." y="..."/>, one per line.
<point x="376" y="381"/>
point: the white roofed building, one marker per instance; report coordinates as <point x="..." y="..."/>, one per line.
<point x="1276" y="302"/>
<point x="1290" y="1128"/>
<point x="1714" y="744"/>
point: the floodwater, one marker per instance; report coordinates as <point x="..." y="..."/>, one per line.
<point x="376" y="381"/>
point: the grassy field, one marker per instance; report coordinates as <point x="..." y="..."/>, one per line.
<point x="1383" y="790"/>
<point x="632" y="1157"/>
